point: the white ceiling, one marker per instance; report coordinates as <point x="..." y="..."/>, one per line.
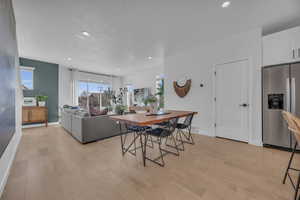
<point x="125" y="32"/>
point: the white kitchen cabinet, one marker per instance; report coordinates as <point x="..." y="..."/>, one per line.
<point x="282" y="47"/>
<point x="295" y="40"/>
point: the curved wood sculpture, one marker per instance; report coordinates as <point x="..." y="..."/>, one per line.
<point x="182" y="91"/>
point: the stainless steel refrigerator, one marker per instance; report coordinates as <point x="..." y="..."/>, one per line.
<point x="281" y="91"/>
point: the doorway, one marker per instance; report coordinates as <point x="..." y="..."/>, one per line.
<point x="231" y="100"/>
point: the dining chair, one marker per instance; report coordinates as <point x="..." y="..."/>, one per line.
<point x="184" y="130"/>
<point x="163" y="124"/>
<point x="137" y="130"/>
<point x="294" y="126"/>
<point x="163" y="133"/>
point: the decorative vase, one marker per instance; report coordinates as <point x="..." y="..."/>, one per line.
<point x="154" y="107"/>
<point x="42" y="103"/>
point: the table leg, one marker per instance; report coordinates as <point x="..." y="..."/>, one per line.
<point x="145" y="147"/>
<point x="121" y="136"/>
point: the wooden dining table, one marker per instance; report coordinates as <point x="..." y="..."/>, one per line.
<point x="145" y="119"/>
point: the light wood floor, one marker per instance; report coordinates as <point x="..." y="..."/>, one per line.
<point x="51" y="165"/>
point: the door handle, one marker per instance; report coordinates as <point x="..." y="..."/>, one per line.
<point x="294" y="56"/>
<point x="244" y="105"/>
<point x="293" y="95"/>
<point x="288" y="100"/>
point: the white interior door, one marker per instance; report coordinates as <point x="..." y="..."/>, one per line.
<point x="231" y="103"/>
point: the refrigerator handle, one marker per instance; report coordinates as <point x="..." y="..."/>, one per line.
<point x="293" y="96"/>
<point x="288" y="101"/>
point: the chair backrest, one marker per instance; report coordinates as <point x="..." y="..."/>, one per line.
<point x="188" y="120"/>
<point x="173" y="124"/>
<point x="293" y="124"/>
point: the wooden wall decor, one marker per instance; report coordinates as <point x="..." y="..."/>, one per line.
<point x="182" y="91"/>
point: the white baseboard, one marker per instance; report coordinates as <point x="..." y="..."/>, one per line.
<point x="15" y="143"/>
<point x="39" y="125"/>
<point x="199" y="131"/>
<point x="256" y="143"/>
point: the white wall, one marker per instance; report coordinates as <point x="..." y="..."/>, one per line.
<point x="198" y="63"/>
<point x="144" y="79"/>
<point x="67" y="78"/>
<point x="65" y="94"/>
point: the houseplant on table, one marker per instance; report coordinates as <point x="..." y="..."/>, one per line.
<point x="160" y="94"/>
<point x="152" y="102"/>
<point x="120" y="109"/>
<point x="41" y="99"/>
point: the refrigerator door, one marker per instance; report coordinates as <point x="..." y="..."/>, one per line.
<point x="276" y="97"/>
<point x="295" y="92"/>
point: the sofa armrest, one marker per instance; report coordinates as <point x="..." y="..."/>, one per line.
<point x="77" y="130"/>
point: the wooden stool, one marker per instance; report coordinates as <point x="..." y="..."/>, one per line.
<point x="294" y="126"/>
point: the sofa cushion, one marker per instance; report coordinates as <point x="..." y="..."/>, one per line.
<point x="82" y="113"/>
<point x="96" y="112"/>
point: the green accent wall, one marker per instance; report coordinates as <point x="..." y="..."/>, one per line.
<point x="45" y="82"/>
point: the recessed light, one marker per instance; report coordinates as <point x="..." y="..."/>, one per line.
<point x="226" y="4"/>
<point x="69" y="59"/>
<point x="149" y="57"/>
<point x="87" y="34"/>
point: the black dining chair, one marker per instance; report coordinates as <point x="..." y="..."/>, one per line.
<point x="160" y="134"/>
<point x="163" y="124"/>
<point x="137" y="130"/>
<point x="184" y="130"/>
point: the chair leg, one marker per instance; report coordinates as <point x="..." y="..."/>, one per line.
<point x="161" y="157"/>
<point x="188" y="138"/>
<point x="175" y="143"/>
<point x="141" y="143"/>
<point x="290" y="162"/>
<point x="180" y="136"/>
<point x="133" y="142"/>
<point x="175" y="146"/>
<point x="134" y="134"/>
<point x="297" y="188"/>
<point x="166" y="140"/>
<point x="161" y="154"/>
<point x="190" y="135"/>
<point x="151" y="140"/>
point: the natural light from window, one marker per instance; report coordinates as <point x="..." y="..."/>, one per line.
<point x="94" y="94"/>
<point x="27" y="78"/>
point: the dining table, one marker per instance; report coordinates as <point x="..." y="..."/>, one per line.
<point x="144" y="120"/>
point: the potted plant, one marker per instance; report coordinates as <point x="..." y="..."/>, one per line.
<point x="120" y="109"/>
<point x="41" y="99"/>
<point x="152" y="102"/>
<point x="160" y="94"/>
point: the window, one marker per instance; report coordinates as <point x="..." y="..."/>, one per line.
<point x="129" y="95"/>
<point x="94" y="94"/>
<point x="27" y="77"/>
<point x="159" y="92"/>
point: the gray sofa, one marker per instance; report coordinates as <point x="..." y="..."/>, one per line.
<point x="87" y="129"/>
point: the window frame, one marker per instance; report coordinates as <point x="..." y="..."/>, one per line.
<point x="88" y="92"/>
<point x="26" y="68"/>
